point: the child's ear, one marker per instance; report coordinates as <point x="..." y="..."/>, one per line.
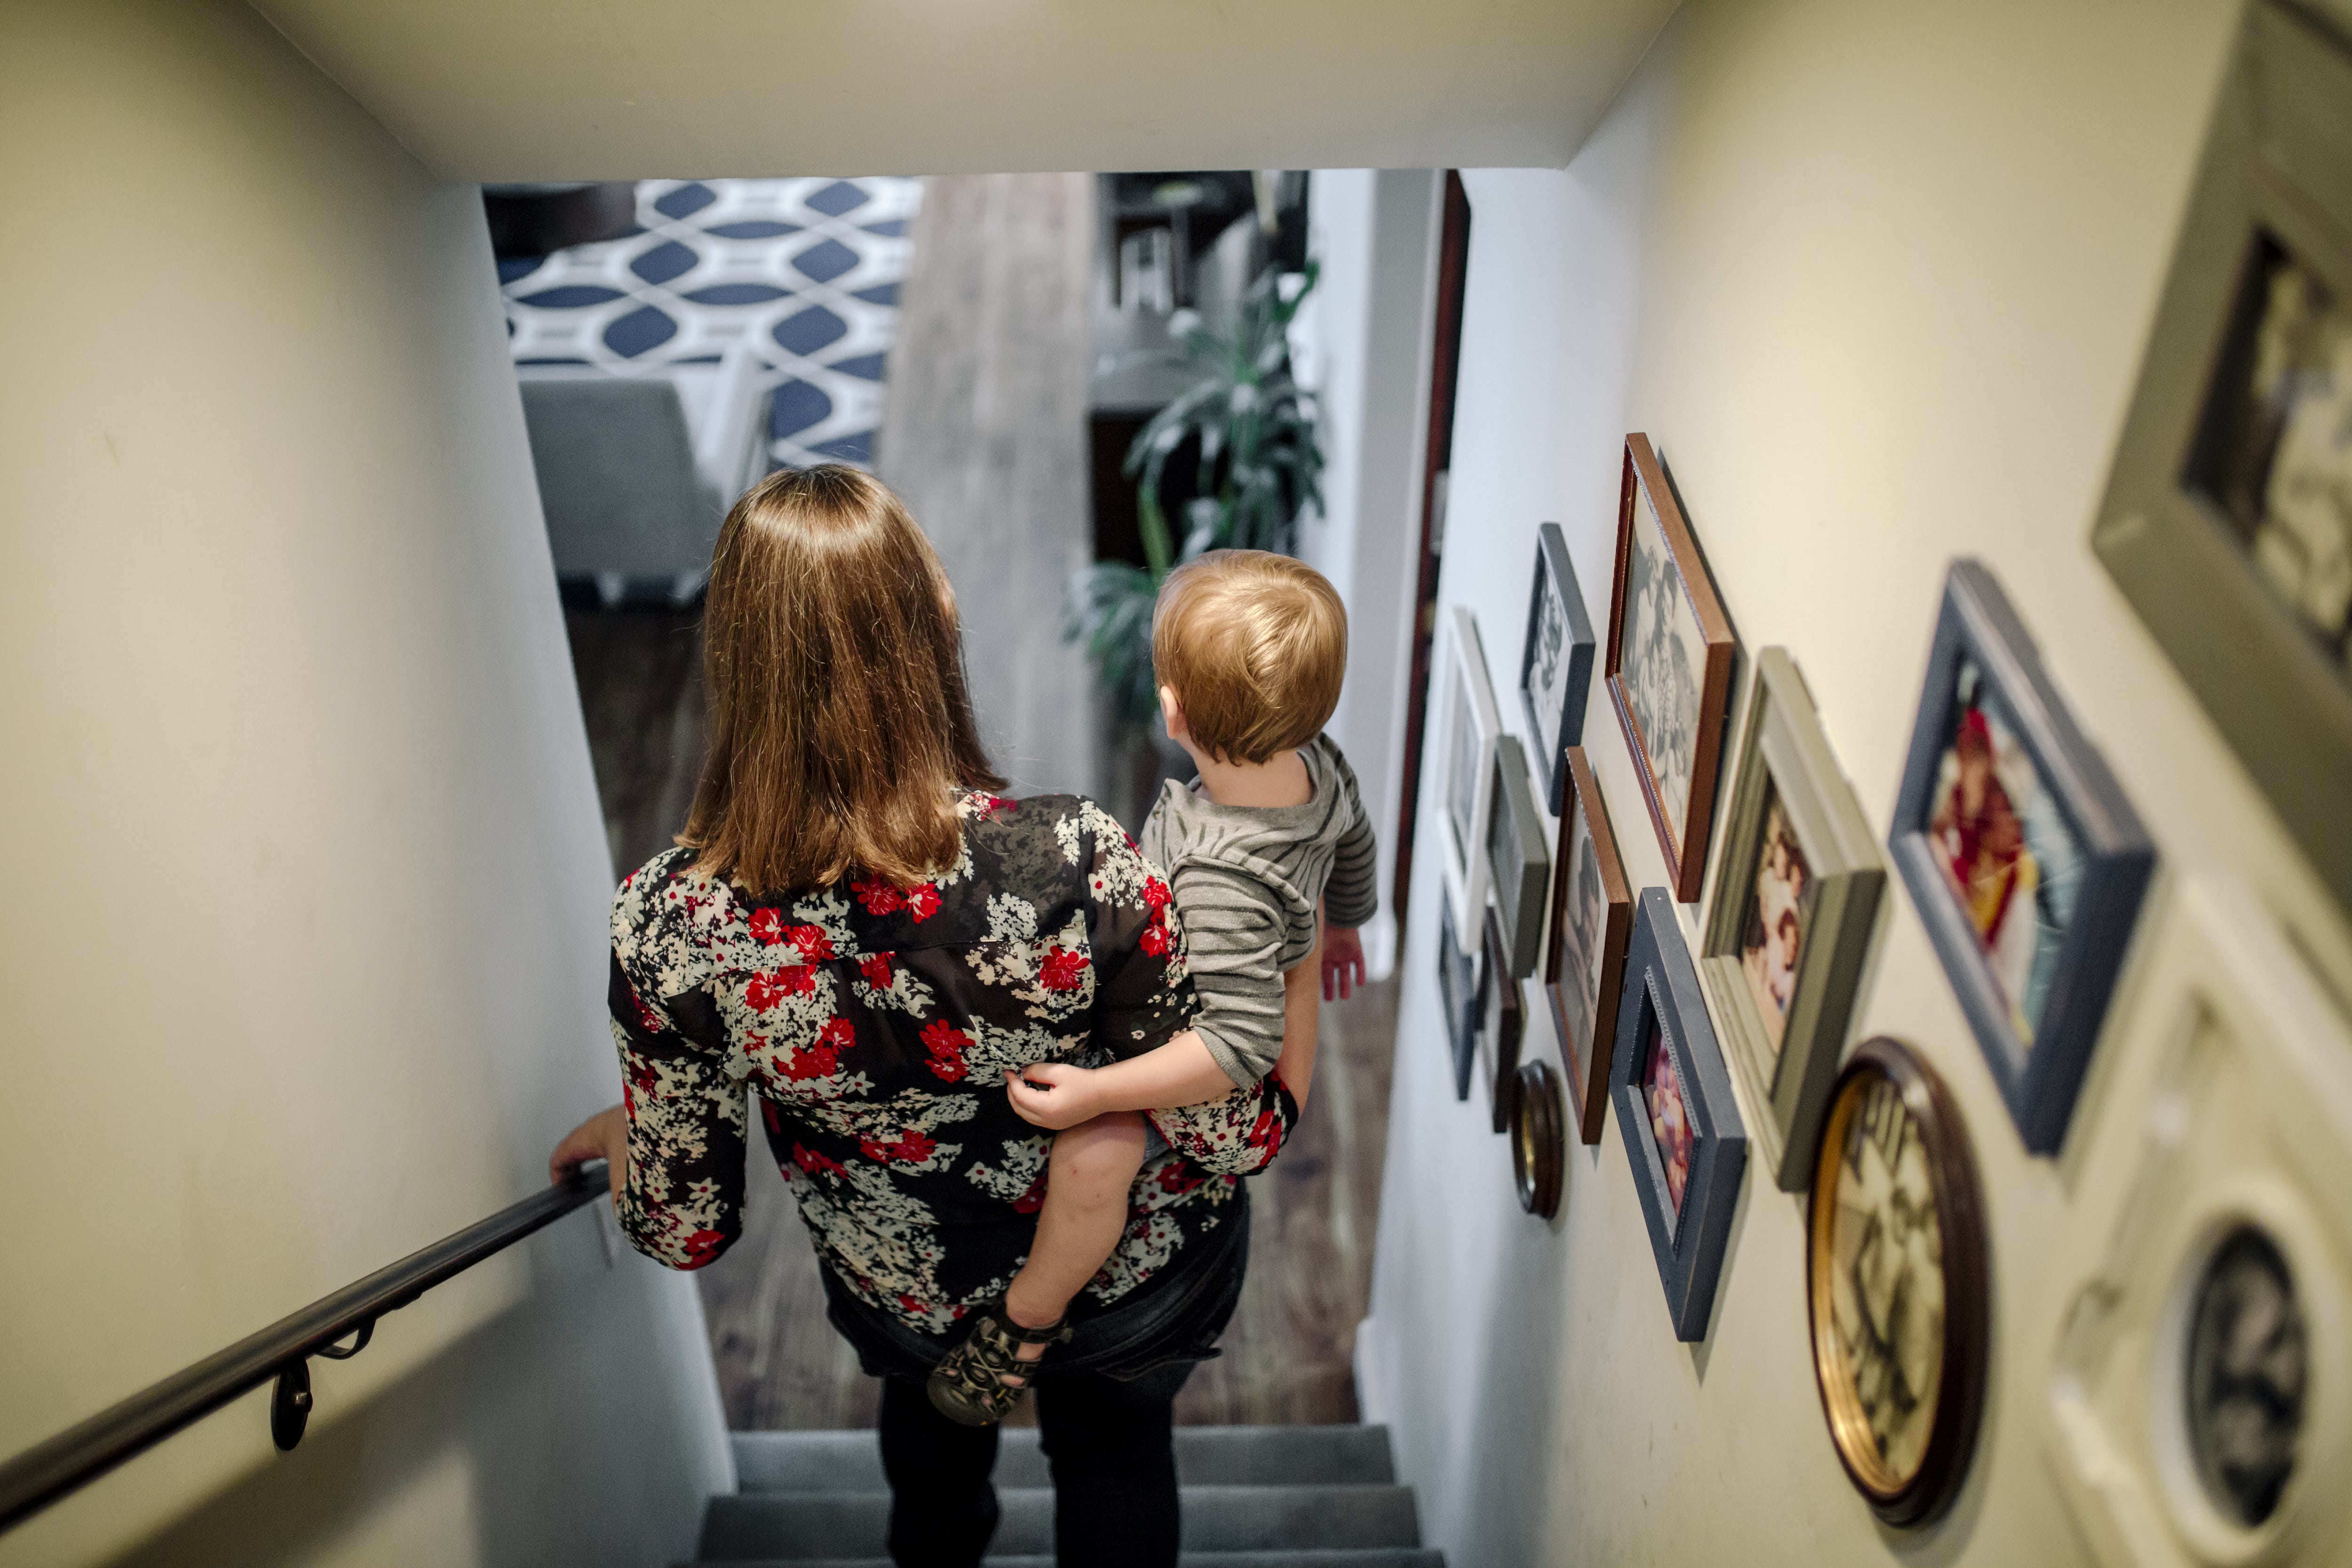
<point x="1172" y="711"/>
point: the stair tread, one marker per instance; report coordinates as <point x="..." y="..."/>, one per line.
<point x="1301" y="1557"/>
<point x="799" y="1525"/>
<point x="819" y="1461"/>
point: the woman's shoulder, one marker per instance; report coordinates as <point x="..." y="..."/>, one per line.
<point x="666" y="915"/>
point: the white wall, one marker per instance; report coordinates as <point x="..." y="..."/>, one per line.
<point x="1363" y="346"/>
<point x="1876" y="282"/>
<point x="308" y="967"/>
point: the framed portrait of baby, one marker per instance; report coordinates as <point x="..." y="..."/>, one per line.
<point x="1796" y="895"/>
<point x="2026" y="862"/>
<point x="1470" y="726"/>
<point x="1668" y="661"/>
<point x="1683" y="1131"/>
<point x="1584" y="953"/>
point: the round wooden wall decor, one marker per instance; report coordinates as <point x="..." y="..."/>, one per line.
<point x="1539" y="1138"/>
<point x="1896" y="1283"/>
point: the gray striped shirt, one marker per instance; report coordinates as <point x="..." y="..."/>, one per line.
<point x="1247" y="880"/>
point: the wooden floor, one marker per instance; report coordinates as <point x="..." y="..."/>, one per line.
<point x="984" y="437"/>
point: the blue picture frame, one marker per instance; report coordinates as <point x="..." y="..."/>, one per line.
<point x="2056" y="863"/>
<point x="1555" y="664"/>
<point x="1662" y="1017"/>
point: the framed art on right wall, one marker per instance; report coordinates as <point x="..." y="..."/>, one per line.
<point x="1669" y="657"/>
<point x="1556" y="666"/>
<point x="2024" y="860"/>
<point x="1584" y="954"/>
<point x="2228" y="516"/>
<point x="1472" y="726"/>
<point x="1795" y="900"/>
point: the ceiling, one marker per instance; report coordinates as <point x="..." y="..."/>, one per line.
<point x="559" y="90"/>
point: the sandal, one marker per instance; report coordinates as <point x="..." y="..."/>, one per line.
<point x="969" y="1385"/>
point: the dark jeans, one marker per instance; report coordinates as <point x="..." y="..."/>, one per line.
<point x="1109" y="1443"/>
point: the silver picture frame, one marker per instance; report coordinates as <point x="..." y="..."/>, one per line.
<point x="1469" y="725"/>
<point x="1796" y="897"/>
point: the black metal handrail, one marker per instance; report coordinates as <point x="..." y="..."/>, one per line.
<point x="80" y="1454"/>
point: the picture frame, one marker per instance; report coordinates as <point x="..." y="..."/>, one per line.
<point x="1506" y="1025"/>
<point x="1519" y="859"/>
<point x="1538" y="1144"/>
<point x="1460" y="995"/>
<point x="2003" y="795"/>
<point x="1555" y="664"/>
<point x="1668" y="663"/>
<point x="2225" y="521"/>
<point x="2199" y="1394"/>
<point x="1897" y="1213"/>
<point x="1795" y="902"/>
<point x="1472" y="725"/>
<point x="1675" y="1106"/>
<point x="1589" y="922"/>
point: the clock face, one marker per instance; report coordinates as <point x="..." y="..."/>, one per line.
<point x="1878" y="1302"/>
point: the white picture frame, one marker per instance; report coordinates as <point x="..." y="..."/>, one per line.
<point x="1469" y="724"/>
<point x="2246" y="1133"/>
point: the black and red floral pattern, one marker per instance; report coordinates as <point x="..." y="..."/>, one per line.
<point x="872" y="1025"/>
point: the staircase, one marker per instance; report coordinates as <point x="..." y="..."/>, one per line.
<point x="1255" y="1497"/>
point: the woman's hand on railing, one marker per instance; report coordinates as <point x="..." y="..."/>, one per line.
<point x="603" y="1136"/>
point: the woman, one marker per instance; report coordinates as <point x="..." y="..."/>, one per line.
<point x="860" y="931"/>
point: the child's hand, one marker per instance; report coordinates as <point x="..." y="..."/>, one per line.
<point x="1343" y="962"/>
<point x="1052" y="1095"/>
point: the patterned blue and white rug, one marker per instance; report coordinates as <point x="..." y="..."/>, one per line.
<point x="806" y="271"/>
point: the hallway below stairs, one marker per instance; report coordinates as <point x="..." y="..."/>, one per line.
<point x="1255" y="1497"/>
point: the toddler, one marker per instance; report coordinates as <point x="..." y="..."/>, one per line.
<point x="1249" y="649"/>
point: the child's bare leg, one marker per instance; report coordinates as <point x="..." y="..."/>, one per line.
<point x="1093" y="1168"/>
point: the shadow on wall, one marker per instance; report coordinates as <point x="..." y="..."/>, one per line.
<point x="461" y="1433"/>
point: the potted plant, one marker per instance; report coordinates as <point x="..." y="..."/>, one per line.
<point x="1261" y="467"/>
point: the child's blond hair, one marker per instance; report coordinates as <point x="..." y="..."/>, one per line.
<point x="1254" y="646"/>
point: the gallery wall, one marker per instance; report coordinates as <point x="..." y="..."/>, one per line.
<point x="309" y="965"/>
<point x="1876" y="282"/>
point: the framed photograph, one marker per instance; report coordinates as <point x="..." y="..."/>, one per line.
<point x="1460" y="992"/>
<point x="2200" y="1394"/>
<point x="1472" y="726"/>
<point x="1675" y="1106"/>
<point x="1538" y="1145"/>
<point x="2228" y="517"/>
<point x="1895" y="1283"/>
<point x="2026" y="862"/>
<point x="1519" y="861"/>
<point x="1505" y="1023"/>
<point x="1795" y="899"/>
<point x="1556" y="666"/>
<point x="1584" y="954"/>
<point x="1669" y="664"/>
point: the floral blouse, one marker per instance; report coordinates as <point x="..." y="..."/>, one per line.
<point x="874" y="1022"/>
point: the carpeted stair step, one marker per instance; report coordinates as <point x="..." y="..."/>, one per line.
<point x="789" y="1526"/>
<point x="1205" y="1456"/>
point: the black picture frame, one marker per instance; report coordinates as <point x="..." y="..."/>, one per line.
<point x="1519" y="860"/>
<point x="2248" y="608"/>
<point x="2102" y="860"/>
<point x="1560" y="640"/>
<point x="1460" y="993"/>
<point x="1504" y="1014"/>
<point x="1662" y="1005"/>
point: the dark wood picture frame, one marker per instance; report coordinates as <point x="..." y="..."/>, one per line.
<point x="1460" y="995"/>
<point x="2039" y="1078"/>
<point x="1505" y="1022"/>
<point x="1967" y="1293"/>
<point x="2275" y="182"/>
<point x="1661" y="992"/>
<point x="1586" y="1059"/>
<point x="1785" y="760"/>
<point x="1643" y="486"/>
<point x="1519" y="861"/>
<point x="1556" y="585"/>
<point x="1538" y="1145"/>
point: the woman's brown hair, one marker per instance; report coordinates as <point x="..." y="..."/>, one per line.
<point x="840" y="728"/>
